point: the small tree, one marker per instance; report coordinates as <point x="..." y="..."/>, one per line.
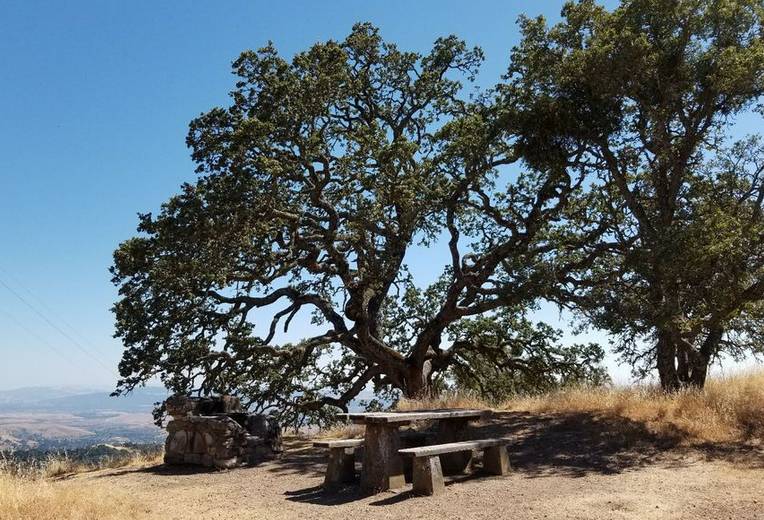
<point x="315" y="184"/>
<point x="650" y="92"/>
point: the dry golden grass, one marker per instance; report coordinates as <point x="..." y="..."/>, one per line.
<point x="34" y="492"/>
<point x="729" y="409"/>
<point x="341" y="431"/>
<point x="61" y="464"/>
<point x="25" y="498"/>
<point x="444" y="400"/>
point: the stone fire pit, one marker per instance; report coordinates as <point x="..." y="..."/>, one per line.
<point x="218" y="432"/>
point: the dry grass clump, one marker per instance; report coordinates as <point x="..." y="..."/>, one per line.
<point x="342" y="431"/>
<point x="727" y="409"/>
<point x="25" y="498"/>
<point x="57" y="465"/>
<point x="29" y="491"/>
<point x="444" y="400"/>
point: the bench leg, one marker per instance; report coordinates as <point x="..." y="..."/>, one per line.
<point x="496" y="460"/>
<point x="341" y="468"/>
<point x="428" y="476"/>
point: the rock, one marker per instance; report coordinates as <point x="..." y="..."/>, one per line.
<point x="192" y="458"/>
<point x="176" y="442"/>
<point x="257" y="425"/>
<point x="199" y="446"/>
<point x="215" y="432"/>
<point x="179" y="406"/>
<point x="173" y="458"/>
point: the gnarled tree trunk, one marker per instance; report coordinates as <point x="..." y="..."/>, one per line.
<point x="698" y="371"/>
<point x="680" y="364"/>
<point x="666" y="362"/>
<point x="417" y="384"/>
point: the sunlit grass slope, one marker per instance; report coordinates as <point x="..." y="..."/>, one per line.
<point x="729" y="409"/>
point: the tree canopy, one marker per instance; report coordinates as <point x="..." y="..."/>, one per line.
<point x="314" y="185"/>
<point x="650" y="91"/>
<point x="603" y="174"/>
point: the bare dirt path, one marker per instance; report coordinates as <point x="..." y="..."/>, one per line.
<point x="564" y="466"/>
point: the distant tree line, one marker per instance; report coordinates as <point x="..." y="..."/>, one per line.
<point x="605" y="174"/>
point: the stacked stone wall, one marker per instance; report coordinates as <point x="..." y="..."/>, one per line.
<point x="224" y="436"/>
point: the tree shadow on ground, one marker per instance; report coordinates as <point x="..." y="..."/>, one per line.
<point x="160" y="469"/>
<point x="300" y="457"/>
<point x="326" y="497"/>
<point x="352" y="492"/>
<point x="572" y="444"/>
<point x="578" y="444"/>
<point x="541" y="445"/>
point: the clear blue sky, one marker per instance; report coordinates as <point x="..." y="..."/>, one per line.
<point x="95" y="98"/>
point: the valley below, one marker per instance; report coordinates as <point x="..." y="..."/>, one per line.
<point x="48" y="419"/>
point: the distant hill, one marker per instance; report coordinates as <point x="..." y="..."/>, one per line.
<point x="73" y="400"/>
<point x="32" y="394"/>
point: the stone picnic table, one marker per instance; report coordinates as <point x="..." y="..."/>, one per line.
<point x="383" y="465"/>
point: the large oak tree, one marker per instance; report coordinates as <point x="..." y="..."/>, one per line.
<point x="314" y="185"/>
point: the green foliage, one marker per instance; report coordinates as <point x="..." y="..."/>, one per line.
<point x="508" y="355"/>
<point x="600" y="175"/>
<point x="649" y="93"/>
<point x="314" y="185"/>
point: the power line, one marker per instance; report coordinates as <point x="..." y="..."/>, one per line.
<point x="91" y="353"/>
<point x="50" y="311"/>
<point x="57" y="328"/>
<point x="39" y="338"/>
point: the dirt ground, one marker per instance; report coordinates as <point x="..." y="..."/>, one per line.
<point x="564" y="466"/>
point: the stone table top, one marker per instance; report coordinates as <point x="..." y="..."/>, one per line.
<point x="393" y="418"/>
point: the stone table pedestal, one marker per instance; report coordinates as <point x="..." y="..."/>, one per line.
<point x="382" y="464"/>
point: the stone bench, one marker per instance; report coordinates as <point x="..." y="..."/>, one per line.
<point x="341" y="467"/>
<point x="342" y="455"/>
<point x="428" y="475"/>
